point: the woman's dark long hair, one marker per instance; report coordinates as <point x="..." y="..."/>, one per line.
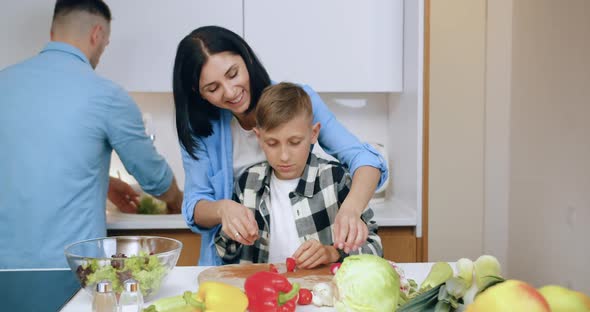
<point x="193" y="113"/>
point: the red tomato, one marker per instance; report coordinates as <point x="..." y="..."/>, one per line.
<point x="305" y="296"/>
<point x="290" y="264"/>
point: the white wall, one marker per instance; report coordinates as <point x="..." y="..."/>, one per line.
<point x="497" y="129"/>
<point x="535" y="209"/>
<point x="549" y="215"/>
<point x="457" y="68"/>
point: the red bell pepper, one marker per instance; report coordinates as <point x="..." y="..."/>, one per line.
<point x="273" y="268"/>
<point x="270" y="292"/>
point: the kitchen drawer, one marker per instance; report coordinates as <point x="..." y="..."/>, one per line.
<point x="399" y="243"/>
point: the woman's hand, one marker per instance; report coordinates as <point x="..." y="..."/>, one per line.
<point x="312" y="253"/>
<point x="238" y="222"/>
<point x="123" y="196"/>
<point x="349" y="230"/>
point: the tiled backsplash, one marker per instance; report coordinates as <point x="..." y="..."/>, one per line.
<point x="369" y="123"/>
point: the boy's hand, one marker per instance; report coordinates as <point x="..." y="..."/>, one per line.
<point x="238" y="222"/>
<point x="350" y="232"/>
<point x="312" y="253"/>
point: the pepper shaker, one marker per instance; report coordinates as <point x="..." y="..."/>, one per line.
<point x="131" y="299"/>
<point x="104" y="299"/>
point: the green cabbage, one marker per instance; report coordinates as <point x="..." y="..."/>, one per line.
<point x="151" y="205"/>
<point x="366" y="283"/>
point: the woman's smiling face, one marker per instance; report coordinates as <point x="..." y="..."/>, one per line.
<point x="225" y="82"/>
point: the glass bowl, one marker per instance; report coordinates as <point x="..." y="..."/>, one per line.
<point x="147" y="259"/>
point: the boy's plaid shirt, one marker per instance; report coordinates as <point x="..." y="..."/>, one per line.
<point x="315" y="202"/>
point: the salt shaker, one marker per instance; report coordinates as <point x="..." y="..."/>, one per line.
<point x="104" y="299"/>
<point x="131" y="299"/>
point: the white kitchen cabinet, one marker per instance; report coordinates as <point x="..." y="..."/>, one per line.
<point x="25" y="29"/>
<point x="145" y="35"/>
<point x="332" y="45"/>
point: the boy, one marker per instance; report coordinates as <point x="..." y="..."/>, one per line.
<point x="294" y="195"/>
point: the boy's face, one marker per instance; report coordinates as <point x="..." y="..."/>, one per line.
<point x="287" y="146"/>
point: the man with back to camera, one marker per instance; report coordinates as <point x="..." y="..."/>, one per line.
<point x="59" y="122"/>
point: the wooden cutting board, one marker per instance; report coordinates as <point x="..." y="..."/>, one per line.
<point x="236" y="274"/>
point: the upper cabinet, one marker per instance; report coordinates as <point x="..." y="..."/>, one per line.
<point x="25" y="29"/>
<point x="145" y="35"/>
<point x="332" y="45"/>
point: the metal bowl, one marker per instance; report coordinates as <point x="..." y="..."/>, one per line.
<point x="147" y="259"/>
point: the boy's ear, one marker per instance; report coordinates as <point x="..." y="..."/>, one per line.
<point x="315" y="132"/>
<point x="257" y="132"/>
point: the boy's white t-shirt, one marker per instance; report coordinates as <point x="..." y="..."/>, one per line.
<point x="284" y="239"/>
<point x="246" y="150"/>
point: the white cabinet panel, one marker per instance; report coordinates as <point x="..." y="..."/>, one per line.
<point x="146" y="33"/>
<point x="25" y="28"/>
<point x="333" y="45"/>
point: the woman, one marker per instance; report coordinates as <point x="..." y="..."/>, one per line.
<point x="217" y="82"/>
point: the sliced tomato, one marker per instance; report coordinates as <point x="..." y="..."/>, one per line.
<point x="290" y="262"/>
<point x="305" y="296"/>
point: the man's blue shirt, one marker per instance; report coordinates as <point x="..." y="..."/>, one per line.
<point x="59" y="123"/>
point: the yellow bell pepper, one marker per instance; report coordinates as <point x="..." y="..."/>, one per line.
<point x="218" y="297"/>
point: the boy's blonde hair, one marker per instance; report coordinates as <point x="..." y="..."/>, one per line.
<point x="280" y="103"/>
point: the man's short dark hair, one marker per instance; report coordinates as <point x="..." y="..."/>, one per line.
<point x="97" y="7"/>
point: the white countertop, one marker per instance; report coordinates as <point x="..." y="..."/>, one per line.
<point x="387" y="213"/>
<point x="182" y="279"/>
<point x="117" y="220"/>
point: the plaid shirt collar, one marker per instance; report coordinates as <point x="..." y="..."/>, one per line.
<point x="306" y="183"/>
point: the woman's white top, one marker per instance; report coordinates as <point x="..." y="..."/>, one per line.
<point x="245" y="148"/>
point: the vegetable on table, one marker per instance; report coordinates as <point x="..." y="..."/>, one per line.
<point x="323" y="294"/>
<point x="273" y="268"/>
<point x="305" y="296"/>
<point x="211" y="297"/>
<point x="366" y="283"/>
<point x="439" y="273"/>
<point x="407" y="286"/>
<point x="270" y="292"/>
<point x="219" y="297"/>
<point x="172" y="304"/>
<point x="439" y="293"/>
<point x="423" y="301"/>
<point x="465" y="270"/>
<point x="290" y="262"/>
<point x="486" y="267"/>
<point x="487" y="273"/>
<point x="334" y="267"/>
